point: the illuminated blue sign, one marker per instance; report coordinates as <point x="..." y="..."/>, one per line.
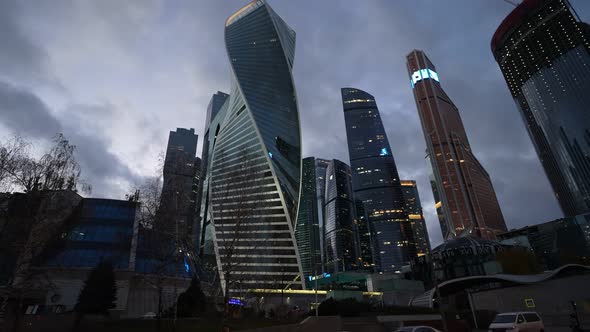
<point x="423" y="74"/>
<point x="270" y="154"/>
<point x="384" y="152"/>
<point x="234" y="301"/>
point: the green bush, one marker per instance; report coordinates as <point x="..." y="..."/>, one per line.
<point x="192" y="302"/>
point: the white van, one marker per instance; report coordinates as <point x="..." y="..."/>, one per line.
<point x="517" y="322"/>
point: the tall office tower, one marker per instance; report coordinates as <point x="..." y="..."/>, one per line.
<point x="204" y="240"/>
<point x="464" y="189"/>
<point x="414" y="209"/>
<point x="340" y="233"/>
<point x="321" y="166"/>
<point x="376" y="182"/>
<point x="307" y="231"/>
<point x="255" y="165"/>
<point x="544" y="53"/>
<point x="181" y="177"/>
<point x="365" y="241"/>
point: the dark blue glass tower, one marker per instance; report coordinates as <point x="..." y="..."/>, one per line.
<point x="307" y="231"/>
<point x="340" y="233"/>
<point x="414" y="210"/>
<point x="543" y="50"/>
<point x="376" y="182"/>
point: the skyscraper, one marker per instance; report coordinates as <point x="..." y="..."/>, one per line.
<point x="255" y="163"/>
<point x="543" y="51"/>
<point x="340" y="233"/>
<point x="463" y="188"/>
<point x="307" y="231"/>
<point x="414" y="209"/>
<point x="204" y="239"/>
<point x="181" y="181"/>
<point x="376" y="183"/>
<point x="321" y="166"/>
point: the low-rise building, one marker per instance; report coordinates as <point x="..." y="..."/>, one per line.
<point x="555" y="243"/>
<point x="459" y="257"/>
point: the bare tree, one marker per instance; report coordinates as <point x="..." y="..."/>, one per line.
<point x="164" y="242"/>
<point x="55" y="170"/>
<point x="11" y="152"/>
<point x="236" y="200"/>
<point x="32" y="220"/>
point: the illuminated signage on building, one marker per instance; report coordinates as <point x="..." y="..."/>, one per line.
<point x="384" y="152"/>
<point x="423" y="74"/>
<point x="321" y="276"/>
<point x="235" y="301"/>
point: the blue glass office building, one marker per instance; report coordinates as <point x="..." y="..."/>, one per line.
<point x="307" y="231"/>
<point x="414" y="210"/>
<point x="376" y="182"/>
<point x="101" y="229"/>
<point x="543" y="50"/>
<point x="255" y="166"/>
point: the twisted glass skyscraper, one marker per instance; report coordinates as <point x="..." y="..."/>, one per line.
<point x="256" y="156"/>
<point x="376" y="185"/>
<point x="543" y="50"/>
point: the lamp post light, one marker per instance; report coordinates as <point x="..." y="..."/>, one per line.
<point x="438" y="297"/>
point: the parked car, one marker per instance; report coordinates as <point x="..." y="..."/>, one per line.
<point x="417" y="329"/>
<point x="517" y="322"/>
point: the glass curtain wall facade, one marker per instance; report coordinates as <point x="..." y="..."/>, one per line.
<point x="204" y="236"/>
<point x="555" y="243"/>
<point x="255" y="166"/>
<point x="102" y="229"/>
<point x="464" y="189"/>
<point x="376" y="183"/>
<point x="307" y="231"/>
<point x="341" y="236"/>
<point x="321" y="166"/>
<point x="543" y="51"/>
<point x="414" y="209"/>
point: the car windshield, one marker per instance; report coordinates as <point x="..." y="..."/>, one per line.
<point x="505" y="319"/>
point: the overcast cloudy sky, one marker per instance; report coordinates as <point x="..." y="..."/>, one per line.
<point x="116" y="76"/>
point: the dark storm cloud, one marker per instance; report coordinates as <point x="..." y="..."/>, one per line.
<point x="20" y="59"/>
<point x="364" y="45"/>
<point x="23" y="112"/>
<point x="26" y="114"/>
<point x="340" y="43"/>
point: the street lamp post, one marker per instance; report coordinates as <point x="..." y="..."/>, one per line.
<point x="316" y="294"/>
<point x="438" y="297"/>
